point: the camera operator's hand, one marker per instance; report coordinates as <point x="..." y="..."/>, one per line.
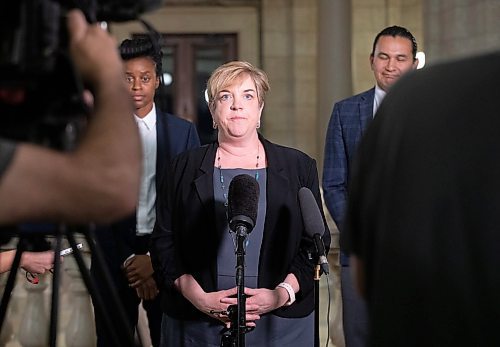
<point x="34" y="262"/>
<point x="99" y="181"/>
<point x="38" y="262"/>
<point x="90" y="48"/>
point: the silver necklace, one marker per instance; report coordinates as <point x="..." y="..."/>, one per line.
<point x="225" y="194"/>
<point x="221" y="176"/>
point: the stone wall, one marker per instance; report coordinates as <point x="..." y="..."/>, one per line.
<point x="460" y="28"/>
<point x="369" y="17"/>
<point x="289" y="33"/>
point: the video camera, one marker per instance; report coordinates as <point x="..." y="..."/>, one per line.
<point x="40" y="93"/>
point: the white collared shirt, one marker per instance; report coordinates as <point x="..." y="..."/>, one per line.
<point x="377" y="100"/>
<point x="146" y="215"/>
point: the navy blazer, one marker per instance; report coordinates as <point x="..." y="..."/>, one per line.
<point x="173" y="136"/>
<point x="348" y="122"/>
<point x="185" y="239"/>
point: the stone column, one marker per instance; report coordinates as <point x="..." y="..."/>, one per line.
<point x="334" y="84"/>
<point x="334" y="60"/>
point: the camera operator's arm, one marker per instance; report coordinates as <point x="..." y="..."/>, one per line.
<point x="97" y="182"/>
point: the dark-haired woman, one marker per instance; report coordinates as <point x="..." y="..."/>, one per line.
<point x="126" y="244"/>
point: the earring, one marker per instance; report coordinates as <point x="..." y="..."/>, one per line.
<point x="258" y="125"/>
<point x="214" y="125"/>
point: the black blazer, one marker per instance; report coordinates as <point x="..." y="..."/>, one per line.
<point x="185" y="241"/>
<point x="173" y="136"/>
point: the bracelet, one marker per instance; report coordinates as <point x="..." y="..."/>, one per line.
<point x="290" y="291"/>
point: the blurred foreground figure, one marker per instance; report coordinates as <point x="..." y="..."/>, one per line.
<point x="97" y="182"/>
<point x="424" y="210"/>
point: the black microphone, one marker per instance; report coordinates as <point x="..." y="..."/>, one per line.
<point x="243" y="202"/>
<point x="313" y="222"/>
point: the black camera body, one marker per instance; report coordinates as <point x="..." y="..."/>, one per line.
<point x="40" y="93"/>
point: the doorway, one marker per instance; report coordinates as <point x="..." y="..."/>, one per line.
<point x="188" y="61"/>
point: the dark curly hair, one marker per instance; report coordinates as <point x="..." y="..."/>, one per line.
<point x="141" y="47"/>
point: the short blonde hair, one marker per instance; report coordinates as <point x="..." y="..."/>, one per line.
<point x="226" y="74"/>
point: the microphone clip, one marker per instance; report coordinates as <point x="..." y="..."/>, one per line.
<point x="241" y="225"/>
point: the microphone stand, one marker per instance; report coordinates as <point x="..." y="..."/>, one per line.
<point x="241" y="236"/>
<point x="236" y="337"/>
<point x="241" y="213"/>
<point x="317" y="275"/>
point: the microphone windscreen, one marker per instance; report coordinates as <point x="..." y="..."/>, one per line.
<point x="243" y="199"/>
<point x="311" y="216"/>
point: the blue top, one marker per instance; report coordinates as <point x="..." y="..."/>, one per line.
<point x="226" y="259"/>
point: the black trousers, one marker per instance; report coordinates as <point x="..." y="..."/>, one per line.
<point x="354" y="312"/>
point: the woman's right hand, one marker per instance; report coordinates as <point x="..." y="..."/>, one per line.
<point x="211" y="304"/>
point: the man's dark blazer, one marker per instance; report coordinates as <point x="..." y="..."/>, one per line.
<point x="348" y="122"/>
<point x="185" y="240"/>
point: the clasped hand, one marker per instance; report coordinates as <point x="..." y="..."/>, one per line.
<point x="258" y="302"/>
<point x="139" y="272"/>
